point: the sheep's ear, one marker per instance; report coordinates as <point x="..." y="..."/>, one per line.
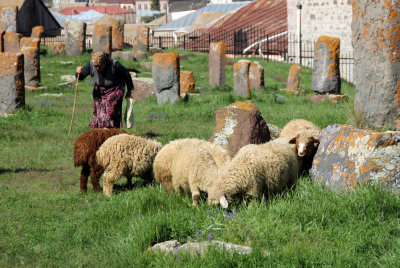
<point x="224" y="203"/>
<point x="293" y="140"/>
<point x="316" y="142"/>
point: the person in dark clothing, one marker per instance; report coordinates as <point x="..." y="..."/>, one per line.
<point x="109" y="77"/>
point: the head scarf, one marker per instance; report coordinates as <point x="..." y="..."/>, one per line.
<point x="99" y="58"/>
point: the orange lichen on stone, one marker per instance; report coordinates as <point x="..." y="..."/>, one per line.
<point x="333" y="46"/>
<point x="187" y="82"/>
<point x="218" y="47"/>
<point x="30" y="42"/>
<point x="164" y="60"/>
<point x="366" y="31"/>
<point x="220" y="118"/>
<point x="37" y="31"/>
<point x="244" y="105"/>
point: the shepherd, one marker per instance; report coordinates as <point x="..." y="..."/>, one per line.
<point x="109" y="77"/>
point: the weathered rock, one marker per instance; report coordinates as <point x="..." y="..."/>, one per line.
<point x="347" y="156"/>
<point x="68" y="77"/>
<point x="256" y="76"/>
<point x="216" y="64"/>
<point x="293" y="81"/>
<point x="12" y="82"/>
<point x="376" y="42"/>
<point x="117" y="26"/>
<point x="123" y="55"/>
<point x="241" y="79"/>
<point x="166" y="71"/>
<point x="147" y="65"/>
<point x="140" y="55"/>
<point x="76" y="38"/>
<point x="154" y="50"/>
<point x="102" y="38"/>
<point x="326" y="73"/>
<point x="200" y="248"/>
<point x="31" y="65"/>
<point x="239" y="124"/>
<point x="57" y="48"/>
<point x="142" y="39"/>
<point x="37" y="32"/>
<point x="8" y="18"/>
<point x="274" y="131"/>
<point x="187" y="82"/>
<point x="330" y="97"/>
<point x="29" y="42"/>
<point x="144" y="88"/>
<point x="12" y="42"/>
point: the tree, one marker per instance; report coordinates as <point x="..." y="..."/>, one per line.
<point x="155" y="5"/>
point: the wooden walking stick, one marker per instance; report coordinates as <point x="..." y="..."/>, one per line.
<point x="73" y="109"/>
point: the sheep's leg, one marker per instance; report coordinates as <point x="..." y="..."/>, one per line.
<point x="130" y="186"/>
<point x="108" y="182"/>
<point x="84" y="178"/>
<point x="195" y="194"/>
<point x="95" y="175"/>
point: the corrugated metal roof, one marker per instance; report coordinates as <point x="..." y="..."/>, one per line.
<point x="185" y="22"/>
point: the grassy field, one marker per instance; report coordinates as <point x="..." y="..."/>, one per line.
<point x="46" y="222"/>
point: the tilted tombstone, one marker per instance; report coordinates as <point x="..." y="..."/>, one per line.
<point x="376" y="42"/>
<point x="293" y="81"/>
<point x="12" y="42"/>
<point x="347" y="157"/>
<point x="239" y="124"/>
<point x="75" y="38"/>
<point x="8" y="18"/>
<point x="102" y="38"/>
<point x="256" y="76"/>
<point x="326" y="72"/>
<point x="12" y="82"/>
<point x="166" y="72"/>
<point x="216" y="64"/>
<point x="241" y="78"/>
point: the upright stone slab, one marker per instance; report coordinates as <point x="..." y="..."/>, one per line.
<point x="256" y="76"/>
<point x="241" y="78"/>
<point x="57" y="48"/>
<point x="348" y="156"/>
<point x="75" y="37"/>
<point x="166" y="71"/>
<point x="8" y="18"/>
<point x="216" y="64"/>
<point x="31" y="65"/>
<point x="102" y="38"/>
<point x="117" y="32"/>
<point x="12" y="83"/>
<point x="142" y="39"/>
<point x="12" y="42"/>
<point x="239" y="124"/>
<point x="37" y="32"/>
<point x="293" y="81"/>
<point x="29" y="42"/>
<point x="376" y="42"/>
<point x="187" y="83"/>
<point x="326" y="73"/>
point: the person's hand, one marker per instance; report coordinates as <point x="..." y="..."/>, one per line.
<point x="79" y="69"/>
<point x="128" y="94"/>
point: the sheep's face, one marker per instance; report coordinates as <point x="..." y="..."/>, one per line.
<point x="305" y="144"/>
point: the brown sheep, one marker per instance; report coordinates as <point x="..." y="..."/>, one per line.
<point x="85" y="149"/>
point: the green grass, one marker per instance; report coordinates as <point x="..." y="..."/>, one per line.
<point x="46" y="222"/>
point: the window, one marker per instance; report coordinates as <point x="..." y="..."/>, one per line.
<point x="139" y="7"/>
<point x="145" y="7"/>
<point x="164" y="7"/>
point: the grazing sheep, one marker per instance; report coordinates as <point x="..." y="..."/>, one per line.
<point x="85" y="149"/>
<point x="162" y="162"/>
<point x="307" y="139"/>
<point x="126" y="155"/>
<point x="194" y="170"/>
<point x="256" y="170"/>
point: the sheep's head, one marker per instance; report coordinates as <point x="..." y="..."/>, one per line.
<point x="305" y="143"/>
<point x="216" y="196"/>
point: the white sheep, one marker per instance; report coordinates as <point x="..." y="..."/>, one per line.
<point x="127" y="155"/>
<point x="194" y="170"/>
<point x="256" y="170"/>
<point x="163" y="161"/>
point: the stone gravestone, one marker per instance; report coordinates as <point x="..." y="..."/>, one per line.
<point x="293" y="81"/>
<point x="30" y="49"/>
<point x="12" y="83"/>
<point x="187" y="83"/>
<point x="216" y="64"/>
<point x="239" y="124"/>
<point x="141" y="43"/>
<point x="37" y="32"/>
<point x="166" y="71"/>
<point x="75" y="38"/>
<point x="57" y="48"/>
<point x="256" y="76"/>
<point x="347" y="156"/>
<point x="117" y="32"/>
<point x="326" y="73"/>
<point x="12" y="42"/>
<point x="102" y="39"/>
<point x="241" y="79"/>
<point x="8" y="18"/>
<point x="30" y="42"/>
<point x="376" y="42"/>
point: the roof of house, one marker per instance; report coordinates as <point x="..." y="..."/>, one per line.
<point x="116" y="1"/>
<point x="12" y="3"/>
<point x="187" y="21"/>
<point x="111" y="10"/>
